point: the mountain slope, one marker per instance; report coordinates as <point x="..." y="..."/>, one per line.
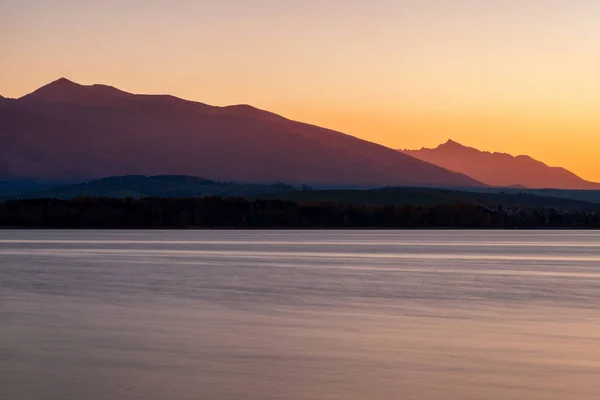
<point x="499" y="169"/>
<point x="154" y="186"/>
<point x="69" y="131"/>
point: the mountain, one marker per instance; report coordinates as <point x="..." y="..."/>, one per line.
<point x="172" y="186"/>
<point x="69" y="131"/>
<point x="499" y="169"/>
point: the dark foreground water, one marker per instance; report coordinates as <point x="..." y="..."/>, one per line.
<point x="299" y="315"/>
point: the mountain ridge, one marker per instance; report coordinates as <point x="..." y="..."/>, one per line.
<point x="67" y="130"/>
<point x="501" y="169"/>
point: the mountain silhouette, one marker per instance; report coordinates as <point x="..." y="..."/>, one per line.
<point x="499" y="169"/>
<point x="65" y="130"/>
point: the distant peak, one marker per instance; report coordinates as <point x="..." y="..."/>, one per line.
<point x="451" y="143"/>
<point x="63" y="81"/>
<point x="65" y="90"/>
<point x="57" y="90"/>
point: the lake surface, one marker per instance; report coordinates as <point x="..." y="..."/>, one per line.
<point x="449" y="315"/>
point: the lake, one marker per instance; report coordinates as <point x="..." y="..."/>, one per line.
<point x="449" y="315"/>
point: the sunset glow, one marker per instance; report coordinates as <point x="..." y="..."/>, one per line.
<point x="516" y="76"/>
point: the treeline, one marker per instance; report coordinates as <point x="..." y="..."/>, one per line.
<point x="232" y="212"/>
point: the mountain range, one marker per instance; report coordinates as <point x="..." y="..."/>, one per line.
<point x="500" y="169"/>
<point x="68" y="131"/>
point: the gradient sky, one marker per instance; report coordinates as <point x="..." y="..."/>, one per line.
<point x="517" y="76"/>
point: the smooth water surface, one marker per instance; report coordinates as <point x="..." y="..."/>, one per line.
<point x="449" y="315"/>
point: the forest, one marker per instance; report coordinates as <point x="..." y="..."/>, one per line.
<point x="238" y="212"/>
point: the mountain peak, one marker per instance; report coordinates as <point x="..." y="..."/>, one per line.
<point x="500" y="169"/>
<point x="63" y="81"/>
<point x="58" y="90"/>
<point x="100" y="131"/>
<point x="450" y="143"/>
<point x="60" y="84"/>
<point x="64" y="90"/>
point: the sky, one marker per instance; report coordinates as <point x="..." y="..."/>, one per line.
<point x="514" y="76"/>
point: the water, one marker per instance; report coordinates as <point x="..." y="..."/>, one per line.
<point x="299" y="315"/>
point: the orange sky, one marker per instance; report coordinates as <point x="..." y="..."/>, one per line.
<point x="517" y="76"/>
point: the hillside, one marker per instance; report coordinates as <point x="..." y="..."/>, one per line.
<point x="179" y="186"/>
<point x="592" y="196"/>
<point x="428" y="197"/>
<point x="16" y="187"/>
<point x="69" y="131"/>
<point x="501" y="170"/>
<point x="155" y="186"/>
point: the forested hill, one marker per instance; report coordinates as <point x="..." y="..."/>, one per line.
<point x="179" y="186"/>
<point x="432" y="196"/>
<point x="155" y="186"/>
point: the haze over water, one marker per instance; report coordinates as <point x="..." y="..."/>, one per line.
<point x="453" y="315"/>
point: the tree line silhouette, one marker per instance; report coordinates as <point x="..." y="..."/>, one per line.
<point x="236" y="212"/>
